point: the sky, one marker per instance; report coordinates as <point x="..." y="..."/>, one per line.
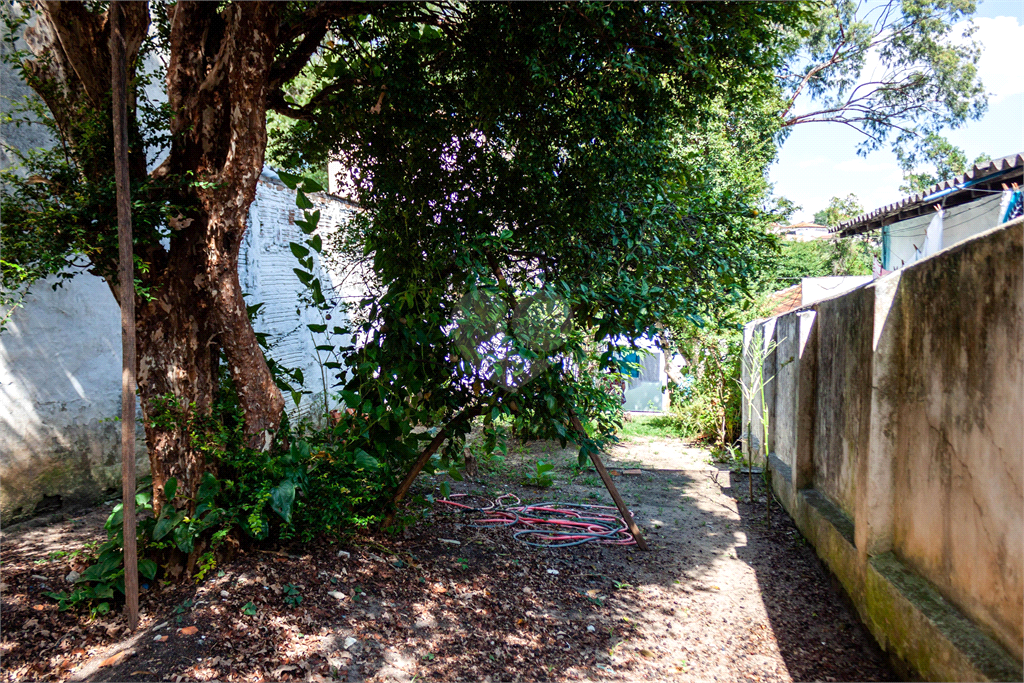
<point x="819" y="161"/>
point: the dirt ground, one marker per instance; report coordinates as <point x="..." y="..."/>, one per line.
<point x="720" y="596"/>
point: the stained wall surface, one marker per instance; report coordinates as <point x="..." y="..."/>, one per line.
<point x="844" y="386"/>
<point x="954" y="334"/>
<point x="911" y="390"/>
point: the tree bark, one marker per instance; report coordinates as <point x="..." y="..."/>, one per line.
<point x="219" y="73"/>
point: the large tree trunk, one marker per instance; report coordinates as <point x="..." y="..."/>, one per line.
<point x="217" y="83"/>
<point x="218" y="79"/>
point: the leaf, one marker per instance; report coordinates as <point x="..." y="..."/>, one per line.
<point x="446" y="489"/>
<point x="317" y="327"/>
<point x="208" y="488"/>
<point x="290" y="180"/>
<point x="170" y="488"/>
<point x="185" y="538"/>
<point x="365" y="460"/>
<point x="249" y="609"/>
<point x="304" y="276"/>
<point x="302" y="201"/>
<point x="147" y="568"/>
<point x="316" y="243"/>
<point x="454" y="473"/>
<point x="298" y="250"/>
<point x="281" y="498"/>
<point x="166" y="524"/>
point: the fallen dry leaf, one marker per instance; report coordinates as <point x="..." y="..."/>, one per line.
<point x="188" y="631"/>
<point x="118" y="658"/>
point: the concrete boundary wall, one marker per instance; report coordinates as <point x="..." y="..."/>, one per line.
<point x="896" y="440"/>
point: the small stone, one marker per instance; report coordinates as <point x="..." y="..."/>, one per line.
<point x="161" y="639"/>
<point x="72" y="576"/>
<point x="225" y="594"/>
<point x="590" y="628"/>
<point x="337" y="595"/>
<point x="40" y="577"/>
<point x="553" y="571"/>
<point x="344" y="554"/>
<point x="349" y="642"/>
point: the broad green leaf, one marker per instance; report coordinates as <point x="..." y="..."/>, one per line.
<point x="170" y="488"/>
<point x="166" y="523"/>
<point x="281" y="498"/>
<point x="147" y="568"/>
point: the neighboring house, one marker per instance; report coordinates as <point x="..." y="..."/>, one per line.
<point x="946" y="214"/>
<point x="647" y="390"/>
<point x="801" y="232"/>
<point x="60" y="360"/>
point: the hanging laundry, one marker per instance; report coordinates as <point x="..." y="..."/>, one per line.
<point x="933" y="239"/>
<point x="1015" y="207"/>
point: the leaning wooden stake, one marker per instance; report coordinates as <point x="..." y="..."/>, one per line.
<point x="126" y="281"/>
<point x="610" y="485"/>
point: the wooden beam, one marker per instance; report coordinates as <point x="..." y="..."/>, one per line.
<point x="126" y="282"/>
<point x="610" y="485"/>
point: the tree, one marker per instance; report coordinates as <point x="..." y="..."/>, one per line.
<point x="482" y="133"/>
<point x="948" y="160"/>
<point x="565" y="195"/>
<point x="839" y="209"/>
<point x="891" y="69"/>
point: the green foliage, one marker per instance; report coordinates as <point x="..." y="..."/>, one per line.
<point x="948" y="160"/>
<point x="541" y="476"/>
<point x="661" y="426"/>
<point x="817" y="258"/>
<point x="839" y="209"/>
<point x="522" y="206"/>
<point x="96" y="586"/>
<point x="292" y="597"/>
<point x="58" y="204"/>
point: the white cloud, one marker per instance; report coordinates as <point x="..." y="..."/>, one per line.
<point x="1001" y="40"/>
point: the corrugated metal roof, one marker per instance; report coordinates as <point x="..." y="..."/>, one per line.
<point x="979" y="173"/>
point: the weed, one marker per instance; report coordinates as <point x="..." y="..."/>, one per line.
<point x="249" y="609"/>
<point x="292" y="597"/>
<point x="540" y="477"/>
<point x="182" y="609"/>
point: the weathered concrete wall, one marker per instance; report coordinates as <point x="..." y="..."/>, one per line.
<point x="956" y="427"/>
<point x="60" y="363"/>
<point x="844" y="386"/>
<point x="898" y="453"/>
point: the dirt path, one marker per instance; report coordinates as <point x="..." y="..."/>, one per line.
<point x="719" y="597"/>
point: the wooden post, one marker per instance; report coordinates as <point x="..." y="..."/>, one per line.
<point x="610" y="485"/>
<point x="126" y="282"/>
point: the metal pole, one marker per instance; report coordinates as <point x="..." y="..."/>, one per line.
<point x="126" y="282"/>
